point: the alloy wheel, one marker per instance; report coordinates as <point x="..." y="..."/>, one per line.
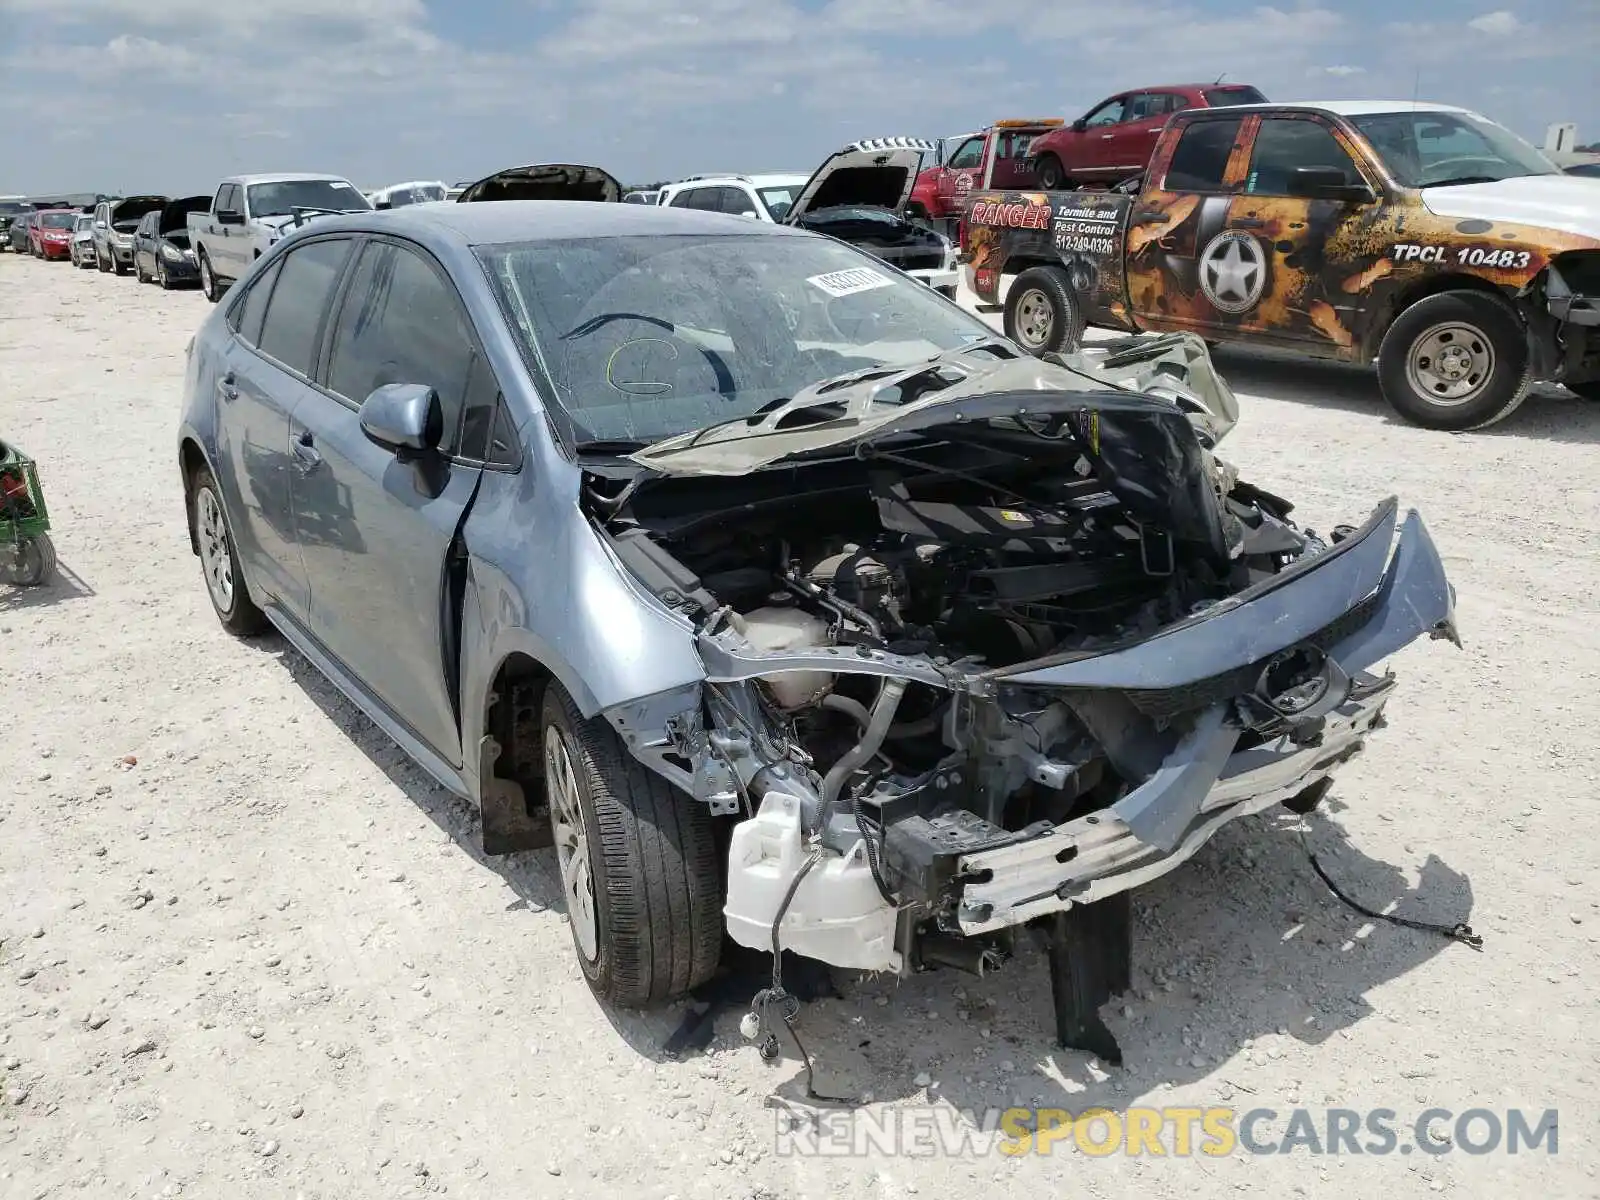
<point x="572" y="843"/>
<point x="216" y="558"/>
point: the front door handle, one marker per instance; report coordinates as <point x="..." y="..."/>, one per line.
<point x="225" y="387"/>
<point x="306" y="452"/>
<point x="1249" y="223"/>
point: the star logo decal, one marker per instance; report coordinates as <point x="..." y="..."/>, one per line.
<point x="1233" y="271"/>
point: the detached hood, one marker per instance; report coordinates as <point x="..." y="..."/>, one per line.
<point x="874" y="173"/>
<point x="545" y="181"/>
<point x="1565" y="203"/>
<point x="987" y="380"/>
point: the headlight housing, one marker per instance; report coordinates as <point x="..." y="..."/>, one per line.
<point x="171" y="252"/>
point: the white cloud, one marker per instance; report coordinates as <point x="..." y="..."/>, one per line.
<point x="1344" y="72"/>
<point x="1497" y="24"/>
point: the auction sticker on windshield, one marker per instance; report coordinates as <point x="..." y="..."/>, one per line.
<point x="849" y="282"/>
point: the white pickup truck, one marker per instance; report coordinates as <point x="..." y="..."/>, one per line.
<point x="251" y="212"/>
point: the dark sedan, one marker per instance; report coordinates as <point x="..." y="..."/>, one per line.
<point x="19" y="235"/>
<point x="161" y="250"/>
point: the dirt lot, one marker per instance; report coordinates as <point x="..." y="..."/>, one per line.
<point x="249" y="951"/>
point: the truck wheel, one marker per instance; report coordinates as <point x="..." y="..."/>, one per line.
<point x="208" y="279"/>
<point x="1455" y="361"/>
<point x="1043" y="315"/>
<point x="638" y="863"/>
<point x="1051" y="174"/>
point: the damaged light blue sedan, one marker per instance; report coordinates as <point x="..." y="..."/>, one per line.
<point x="770" y="589"/>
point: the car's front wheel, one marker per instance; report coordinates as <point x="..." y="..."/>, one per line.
<point x="208" y="279"/>
<point x="1042" y="314"/>
<point x="1457" y="360"/>
<point x="637" y="859"/>
<point x="219" y="559"/>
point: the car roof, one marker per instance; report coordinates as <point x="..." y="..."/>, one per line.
<point x="284" y="177"/>
<point x="771" y="179"/>
<point x="509" y="221"/>
<point x="1351" y="108"/>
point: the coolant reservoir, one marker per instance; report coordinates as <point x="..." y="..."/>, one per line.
<point x="775" y="629"/>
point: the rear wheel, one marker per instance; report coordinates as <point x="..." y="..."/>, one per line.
<point x="1051" y="174"/>
<point x="1455" y="361"/>
<point x="1043" y="315"/>
<point x="638" y="863"/>
<point x="219" y="560"/>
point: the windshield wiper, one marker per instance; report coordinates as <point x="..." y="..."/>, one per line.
<point x="1462" y="179"/>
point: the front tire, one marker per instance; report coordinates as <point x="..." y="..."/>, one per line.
<point x="638" y="863"/>
<point x="138" y="270"/>
<point x="32" y="561"/>
<point x="208" y="279"/>
<point x="162" y="277"/>
<point x="219" y="559"/>
<point x="1455" y="361"/>
<point x="100" y="264"/>
<point x="1042" y="313"/>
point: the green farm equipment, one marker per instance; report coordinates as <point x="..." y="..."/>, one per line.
<point x="27" y="556"/>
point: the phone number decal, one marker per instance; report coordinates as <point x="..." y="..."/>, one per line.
<point x="1081" y="244"/>
<point x="1466" y="256"/>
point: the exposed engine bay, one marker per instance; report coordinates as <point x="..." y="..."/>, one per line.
<point x="930" y="675"/>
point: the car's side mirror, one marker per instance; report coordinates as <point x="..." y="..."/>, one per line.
<point x="229" y="216"/>
<point x="384" y="204"/>
<point x="1327" y="183"/>
<point x="748" y="213"/>
<point x="406" y="418"/>
<point x="1079" y="125"/>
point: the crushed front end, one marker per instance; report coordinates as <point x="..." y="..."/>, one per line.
<point x="998" y="660"/>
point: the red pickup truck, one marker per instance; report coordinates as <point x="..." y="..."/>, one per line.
<point x="1113" y="141"/>
<point x="996" y="157"/>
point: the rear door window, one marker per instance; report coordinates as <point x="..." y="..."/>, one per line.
<point x="1200" y="162"/>
<point x="289" y="332"/>
<point x="402" y="321"/>
<point x="245" y="316"/>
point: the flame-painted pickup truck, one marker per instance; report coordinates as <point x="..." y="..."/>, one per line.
<point x="1426" y="239"/>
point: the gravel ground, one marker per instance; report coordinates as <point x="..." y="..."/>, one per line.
<point x="250" y="951"/>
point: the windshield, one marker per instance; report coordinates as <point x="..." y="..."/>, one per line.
<point x="779" y="200"/>
<point x="83" y="223"/>
<point x="13" y="208"/>
<point x="1429" y="149"/>
<point x="57" y="220"/>
<point x="281" y="199"/>
<point x="642" y="338"/>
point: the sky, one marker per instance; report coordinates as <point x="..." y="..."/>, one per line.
<point x="167" y="96"/>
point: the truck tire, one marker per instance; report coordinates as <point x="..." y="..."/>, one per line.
<point x="637" y="859"/>
<point x="1050" y="174"/>
<point x="1455" y="361"/>
<point x="208" y="279"/>
<point x="1043" y="314"/>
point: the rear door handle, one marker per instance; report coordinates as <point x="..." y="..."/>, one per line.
<point x="306" y="452"/>
<point x="225" y="387"/>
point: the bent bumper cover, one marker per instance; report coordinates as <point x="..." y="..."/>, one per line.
<point x="1207" y="781"/>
